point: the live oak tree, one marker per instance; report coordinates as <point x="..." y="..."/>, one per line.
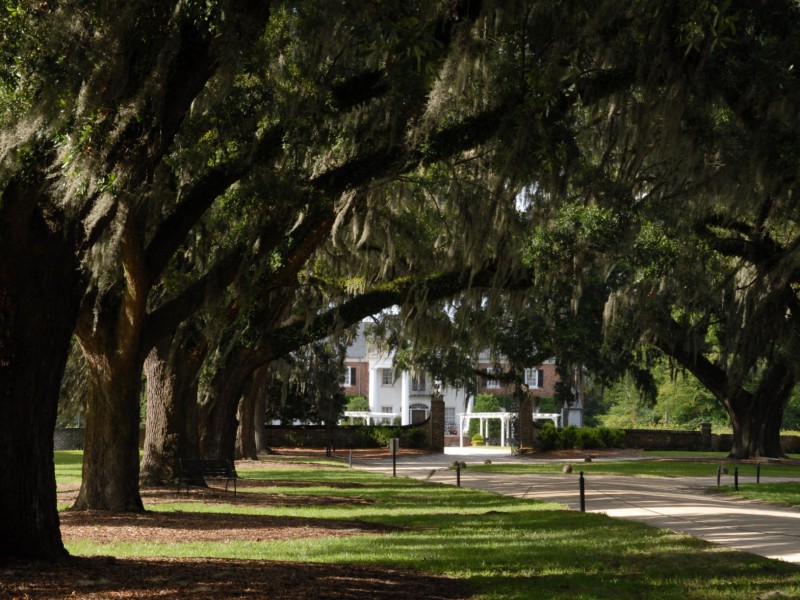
<point x="711" y="279"/>
<point x="118" y="327"/>
<point x="106" y="163"/>
<point x="462" y="133"/>
<point x="85" y="122"/>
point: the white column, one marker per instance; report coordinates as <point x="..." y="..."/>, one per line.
<point x="461" y="431"/>
<point x="374" y="386"/>
<point x="405" y="417"/>
<point x="503" y="431"/>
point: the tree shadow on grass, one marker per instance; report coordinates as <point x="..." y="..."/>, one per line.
<point x="183" y="527"/>
<point x="81" y="578"/>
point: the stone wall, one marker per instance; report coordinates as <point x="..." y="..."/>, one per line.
<point x="660" y="439"/>
<point x="69" y="439"/>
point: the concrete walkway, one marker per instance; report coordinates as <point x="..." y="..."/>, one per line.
<point x="675" y="504"/>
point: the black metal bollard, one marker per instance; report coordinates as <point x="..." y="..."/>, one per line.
<point x="758" y="472"/>
<point x="458" y="474"/>
<point x="583" y="492"/>
<point x="350" y="460"/>
<point x="719" y="474"/>
<point x="736" y="479"/>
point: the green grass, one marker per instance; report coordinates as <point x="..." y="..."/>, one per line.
<point x="644" y="468"/>
<point x="69" y="464"/>
<point x="781" y="493"/>
<point x="504" y="547"/>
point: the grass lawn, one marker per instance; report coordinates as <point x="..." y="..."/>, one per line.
<point x="780" y="493"/>
<point x="651" y="467"/>
<point x="502" y="547"/>
<point x="69" y="464"/>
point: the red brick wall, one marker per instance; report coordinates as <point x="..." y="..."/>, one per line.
<point x="361" y="388"/>
<point x="550" y="379"/>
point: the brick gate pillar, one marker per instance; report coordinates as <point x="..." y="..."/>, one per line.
<point x="436" y="421"/>
<point x="705" y="436"/>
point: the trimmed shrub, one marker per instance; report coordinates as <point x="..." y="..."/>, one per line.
<point x="477" y="439"/>
<point x="548" y="437"/>
<point x="571" y="437"/>
<point x="417" y="438"/>
<point x="568" y="438"/>
<point x="383" y="433"/>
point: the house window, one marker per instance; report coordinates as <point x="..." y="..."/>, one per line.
<point x="450" y="425"/>
<point x="349" y="376"/>
<point x="418" y="383"/>
<point x="387" y="376"/>
<point x="534" y="378"/>
<point x="387" y="409"/>
<point x="491" y="383"/>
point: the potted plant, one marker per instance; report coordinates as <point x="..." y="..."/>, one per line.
<point x="477" y="440"/>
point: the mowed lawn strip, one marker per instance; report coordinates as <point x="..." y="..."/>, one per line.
<point x="504" y="547"/>
<point x="648" y="467"/>
<point x="785" y="493"/>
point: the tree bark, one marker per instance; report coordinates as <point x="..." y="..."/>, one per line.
<point x="217" y="411"/>
<point x="757" y="416"/>
<point x="40" y="291"/>
<point x="111" y="448"/>
<point x="171" y="370"/>
<point x="260" y="409"/>
<point x="246" y="434"/>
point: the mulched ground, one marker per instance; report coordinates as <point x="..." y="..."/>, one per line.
<point x="103" y="577"/>
<point x="150" y="578"/>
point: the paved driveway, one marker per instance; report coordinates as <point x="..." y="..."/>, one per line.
<point x="676" y="504"/>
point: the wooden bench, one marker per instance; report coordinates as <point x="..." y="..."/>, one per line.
<point x="191" y="471"/>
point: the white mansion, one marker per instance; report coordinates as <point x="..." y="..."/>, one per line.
<point x="405" y="396"/>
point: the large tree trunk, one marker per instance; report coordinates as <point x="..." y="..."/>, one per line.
<point x="111" y="449"/>
<point x="110" y="336"/>
<point x="40" y="291"/>
<point x="252" y="435"/>
<point x="246" y="434"/>
<point x="757" y="416"/>
<point x="171" y="369"/>
<point x="260" y="409"/>
<point x="217" y="416"/>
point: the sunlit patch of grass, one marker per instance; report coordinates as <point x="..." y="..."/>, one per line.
<point x="644" y="468"/>
<point x="69" y="466"/>
<point x="780" y="493"/>
<point x="684" y="454"/>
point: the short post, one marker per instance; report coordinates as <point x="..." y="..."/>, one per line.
<point x="719" y="474"/>
<point x="583" y="492"/>
<point x="393" y="444"/>
<point x="758" y="472"/>
<point x="458" y="474"/>
<point x="350" y="460"/>
<point x="736" y="479"/>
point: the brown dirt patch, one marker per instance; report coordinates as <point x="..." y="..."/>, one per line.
<point x="102" y="577"/>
